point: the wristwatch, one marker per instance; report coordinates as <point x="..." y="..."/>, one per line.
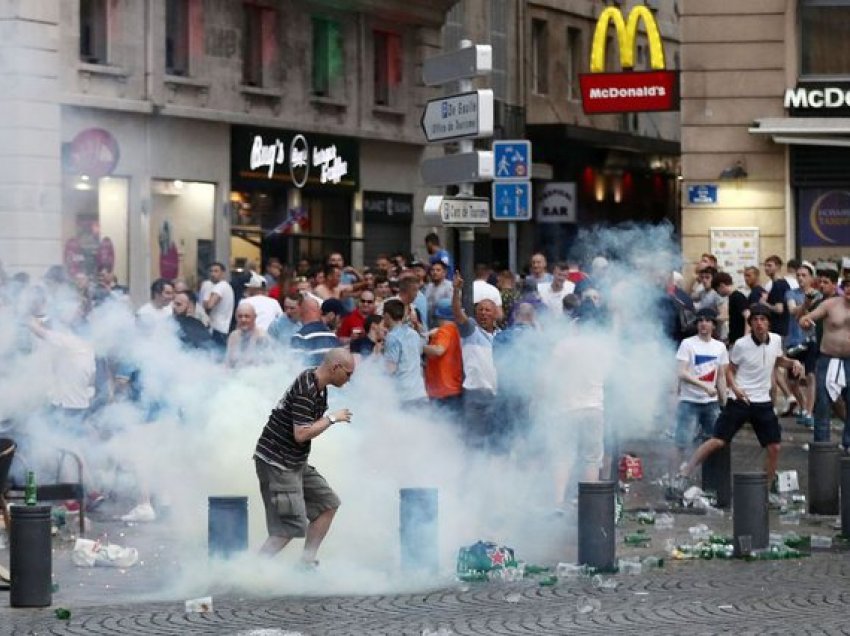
<point x="332" y="419"/>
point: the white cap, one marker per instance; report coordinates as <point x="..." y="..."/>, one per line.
<point x="256" y="281"/>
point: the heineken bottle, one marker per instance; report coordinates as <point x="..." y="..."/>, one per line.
<point x="30" y="493"/>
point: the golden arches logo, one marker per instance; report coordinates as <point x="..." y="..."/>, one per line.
<point x="626" y="38"/>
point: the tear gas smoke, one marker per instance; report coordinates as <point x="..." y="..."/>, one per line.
<point x="193" y="433"/>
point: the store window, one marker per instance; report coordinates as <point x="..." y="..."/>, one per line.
<point x="539" y="57"/>
<point x="181" y="229"/>
<point x="95" y="225"/>
<point x="328" y="59"/>
<point x="93" y="31"/>
<point x="388" y="75"/>
<point x="259" y="45"/>
<point x="824" y="33"/>
<point x="574" y="49"/>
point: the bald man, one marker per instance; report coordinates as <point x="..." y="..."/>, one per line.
<point x="298" y="500"/>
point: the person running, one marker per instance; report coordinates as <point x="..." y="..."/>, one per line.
<point x="752" y="361"/>
<point x="297" y="499"/>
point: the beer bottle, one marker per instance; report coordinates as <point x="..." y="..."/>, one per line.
<point x="30" y="494"/>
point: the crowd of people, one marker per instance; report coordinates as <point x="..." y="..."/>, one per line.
<point x="405" y="319"/>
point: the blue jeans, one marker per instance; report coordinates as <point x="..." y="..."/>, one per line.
<point x="823" y="403"/>
<point x="695" y="422"/>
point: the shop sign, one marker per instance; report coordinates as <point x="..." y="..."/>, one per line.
<point x="388" y="207"/>
<point x="630" y="91"/>
<point x="823" y="216"/>
<point x="298" y="158"/>
<point x="94" y="152"/>
<point x="557" y="203"/>
<point x="818" y="99"/>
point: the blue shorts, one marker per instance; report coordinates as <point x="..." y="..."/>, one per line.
<point x="695" y="422"/>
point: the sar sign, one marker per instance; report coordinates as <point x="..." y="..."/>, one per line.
<point x="632" y="91"/>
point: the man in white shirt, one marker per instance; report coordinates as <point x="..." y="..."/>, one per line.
<point x="552" y="293"/>
<point x="701" y="362"/>
<point x="748" y="377"/>
<point x="158" y="310"/>
<point x="218" y="302"/>
<point x="267" y="309"/>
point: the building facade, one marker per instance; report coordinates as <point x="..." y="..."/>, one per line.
<point x="153" y="137"/>
<point x="765" y="125"/>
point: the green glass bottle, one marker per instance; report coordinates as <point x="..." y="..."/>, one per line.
<point x="30" y="493"/>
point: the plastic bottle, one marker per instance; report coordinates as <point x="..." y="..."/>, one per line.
<point x="30" y="491"/>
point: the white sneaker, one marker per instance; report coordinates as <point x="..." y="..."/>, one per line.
<point x="142" y="512"/>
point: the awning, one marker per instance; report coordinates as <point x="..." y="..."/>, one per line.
<point x="808" y="131"/>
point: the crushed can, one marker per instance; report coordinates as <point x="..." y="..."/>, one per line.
<point x="482" y="557"/>
<point x="631" y="468"/>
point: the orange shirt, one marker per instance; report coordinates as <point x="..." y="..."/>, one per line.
<point x="444" y="374"/>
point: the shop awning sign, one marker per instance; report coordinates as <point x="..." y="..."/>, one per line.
<point x="629" y="91"/>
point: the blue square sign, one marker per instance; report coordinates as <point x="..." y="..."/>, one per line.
<point x="512" y="159"/>
<point x="512" y="201"/>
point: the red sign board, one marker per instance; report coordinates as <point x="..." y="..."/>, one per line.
<point x="632" y="92"/>
<point x="94" y="152"/>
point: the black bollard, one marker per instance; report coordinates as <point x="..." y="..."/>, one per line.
<point x="418" y="530"/>
<point x="597" y="536"/>
<point x="845" y="496"/>
<point x="30" y="557"/>
<point x="717" y="475"/>
<point x="227" y="526"/>
<point x="750" y="524"/>
<point x="823" y="478"/>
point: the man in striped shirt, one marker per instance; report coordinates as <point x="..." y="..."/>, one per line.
<point x="298" y="500"/>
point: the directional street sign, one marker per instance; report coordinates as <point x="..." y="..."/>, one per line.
<point x="459" y="116"/>
<point x="511" y="200"/>
<point x="512" y="159"/>
<point x="464" y="63"/>
<point x="703" y="193"/>
<point x="465" y="211"/>
<point x="464" y="167"/>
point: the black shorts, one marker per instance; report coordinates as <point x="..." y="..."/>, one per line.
<point x="760" y="415"/>
<point x="808" y="356"/>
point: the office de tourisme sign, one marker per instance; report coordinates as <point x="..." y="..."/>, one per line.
<point x="630" y="91"/>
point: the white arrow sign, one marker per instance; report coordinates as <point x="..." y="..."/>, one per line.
<point x="464" y="167"/>
<point x="469" y="61"/>
<point x="457" y="116"/>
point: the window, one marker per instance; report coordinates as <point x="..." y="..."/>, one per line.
<point x="824" y="32"/>
<point x="573" y="62"/>
<point x="93" y="31"/>
<point x="259" y="45"/>
<point x="539" y="57"/>
<point x="388" y="68"/>
<point x="177" y="37"/>
<point x="328" y="59"/>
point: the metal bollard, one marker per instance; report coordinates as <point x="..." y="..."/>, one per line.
<point x="823" y="478"/>
<point x="597" y="536"/>
<point x="717" y="475"/>
<point x="30" y="557"/>
<point x="845" y="496"/>
<point x="750" y="523"/>
<point x="227" y="526"/>
<point x="418" y="530"/>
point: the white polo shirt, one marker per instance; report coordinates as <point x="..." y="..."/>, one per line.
<point x="755" y="366"/>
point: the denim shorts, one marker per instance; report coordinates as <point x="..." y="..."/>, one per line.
<point x="695" y="422"/>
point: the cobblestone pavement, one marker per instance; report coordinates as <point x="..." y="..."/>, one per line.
<point x="808" y="595"/>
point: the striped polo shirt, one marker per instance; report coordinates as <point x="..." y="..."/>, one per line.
<point x="303" y="404"/>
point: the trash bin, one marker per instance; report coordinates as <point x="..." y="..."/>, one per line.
<point x="227" y="526"/>
<point x="750" y="523"/>
<point x="30" y="557"/>
<point x="597" y="536"/>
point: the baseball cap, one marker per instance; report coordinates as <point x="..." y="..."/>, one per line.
<point x="334" y="305"/>
<point x="707" y="312"/>
<point x="443" y="309"/>
<point x="256" y="281"/>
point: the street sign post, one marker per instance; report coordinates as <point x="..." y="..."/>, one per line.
<point x="458" y="168"/>
<point x="470" y="61"/>
<point x="465" y="115"/>
<point x="460" y="211"/>
<point x="512" y="159"/>
<point x="512" y="201"/>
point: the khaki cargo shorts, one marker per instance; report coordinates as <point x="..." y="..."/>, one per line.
<point x="293" y="498"/>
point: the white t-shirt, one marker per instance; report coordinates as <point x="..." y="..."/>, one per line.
<point x="479" y="369"/>
<point x="704" y="361"/>
<point x="755" y="366"/>
<point x="154" y="314"/>
<point x="554" y="300"/>
<point x="222" y="313"/>
<point x="73" y="367"/>
<point x="267" y="310"/>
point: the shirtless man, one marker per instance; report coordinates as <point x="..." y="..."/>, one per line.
<point x="835" y="345"/>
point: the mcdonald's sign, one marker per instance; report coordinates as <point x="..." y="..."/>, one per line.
<point x="629" y="91"/>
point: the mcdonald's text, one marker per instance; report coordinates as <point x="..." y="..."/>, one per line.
<point x="630" y="92"/>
